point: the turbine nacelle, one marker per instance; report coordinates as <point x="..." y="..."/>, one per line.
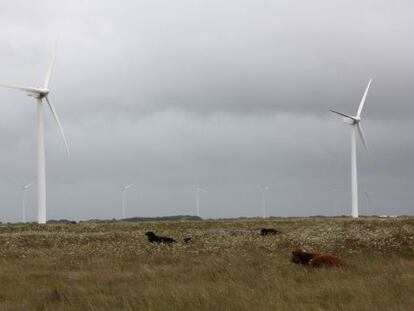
<point x="127" y="187"/>
<point x="351" y="120"/>
<point x="43" y="92"/>
<point x="39" y="93"/>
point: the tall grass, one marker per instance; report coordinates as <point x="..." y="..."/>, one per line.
<point x="229" y="266"/>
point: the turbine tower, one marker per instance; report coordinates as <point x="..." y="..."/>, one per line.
<point x="264" y="189"/>
<point x="198" y="190"/>
<point x="124" y="190"/>
<point x="355" y="122"/>
<point x="24" y="189"/>
<point x="40" y="93"/>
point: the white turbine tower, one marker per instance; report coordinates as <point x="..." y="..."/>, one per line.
<point x="264" y="189"/>
<point x="198" y="190"/>
<point x="40" y="93"/>
<point x="24" y="189"/>
<point x="355" y="122"/>
<point x="124" y="190"/>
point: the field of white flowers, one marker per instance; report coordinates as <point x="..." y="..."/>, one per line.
<point x="228" y="266"/>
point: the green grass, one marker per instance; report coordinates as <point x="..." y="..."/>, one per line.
<point x="229" y="266"/>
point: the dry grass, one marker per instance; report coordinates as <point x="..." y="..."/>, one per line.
<point x="228" y="267"/>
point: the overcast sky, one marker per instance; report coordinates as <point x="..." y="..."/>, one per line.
<point x="235" y="94"/>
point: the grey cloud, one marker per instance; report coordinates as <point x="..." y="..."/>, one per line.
<point x="233" y="93"/>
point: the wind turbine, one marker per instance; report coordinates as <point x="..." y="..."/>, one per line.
<point x="368" y="197"/>
<point x="198" y="190"/>
<point x="24" y="189"/>
<point x="264" y="189"/>
<point x="355" y="122"/>
<point x="124" y="190"/>
<point x="334" y="202"/>
<point x="40" y="93"/>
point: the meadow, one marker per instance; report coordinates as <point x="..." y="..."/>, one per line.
<point x="228" y="266"/>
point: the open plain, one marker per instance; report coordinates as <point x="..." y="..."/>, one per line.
<point x="228" y="266"/>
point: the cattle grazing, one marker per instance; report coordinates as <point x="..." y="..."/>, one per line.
<point x="316" y="260"/>
<point x="302" y="258"/>
<point x="153" y="238"/>
<point x="327" y="261"/>
<point x="269" y="231"/>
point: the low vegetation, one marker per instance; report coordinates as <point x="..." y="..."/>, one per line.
<point x="227" y="266"/>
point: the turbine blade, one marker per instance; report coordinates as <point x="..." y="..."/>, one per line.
<point x="368" y="197"/>
<point x="362" y="136"/>
<point x="361" y="105"/>
<point x="342" y="114"/>
<point x="21" y="88"/>
<point x="50" y="69"/>
<point x="59" y="125"/>
<point x="28" y="185"/>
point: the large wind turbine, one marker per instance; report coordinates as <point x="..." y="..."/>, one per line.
<point x="198" y="190"/>
<point x="355" y="122"/>
<point x="124" y="190"/>
<point x="40" y="93"/>
<point x="24" y="189"/>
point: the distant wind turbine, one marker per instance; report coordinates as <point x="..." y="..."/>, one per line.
<point x="369" y="200"/>
<point x="334" y="202"/>
<point x="264" y="189"/>
<point x="355" y="121"/>
<point x="124" y="190"/>
<point x="24" y="189"/>
<point x="40" y="93"/>
<point x="198" y="190"/>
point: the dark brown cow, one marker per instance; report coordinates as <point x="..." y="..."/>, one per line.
<point x="301" y="257"/>
<point x="153" y="238"/>
<point x="269" y="231"/>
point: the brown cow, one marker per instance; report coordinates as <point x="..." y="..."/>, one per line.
<point x="316" y="260"/>
<point x="327" y="261"/>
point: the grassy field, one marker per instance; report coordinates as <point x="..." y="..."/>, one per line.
<point x="229" y="266"/>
